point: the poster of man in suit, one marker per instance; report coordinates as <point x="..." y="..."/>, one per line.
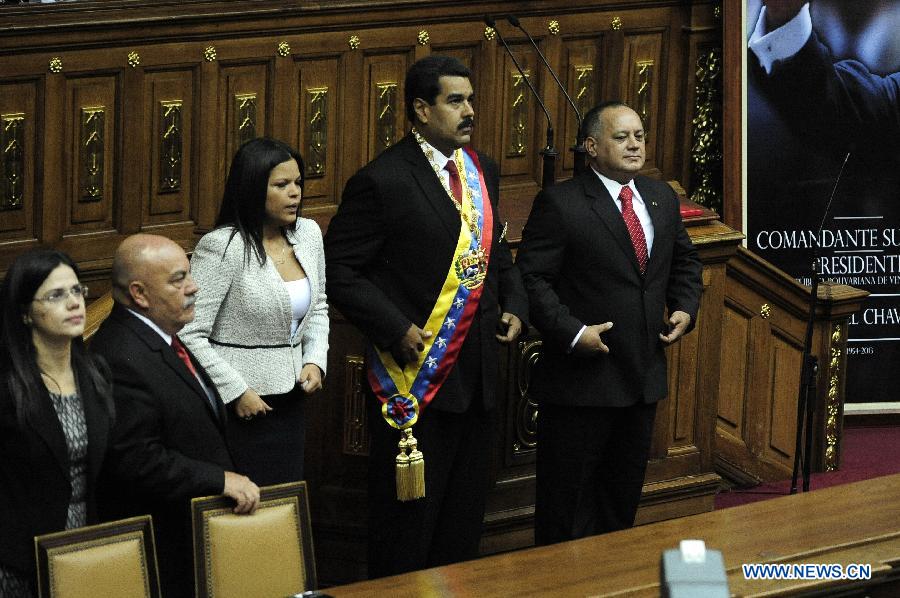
<point x="823" y="84"/>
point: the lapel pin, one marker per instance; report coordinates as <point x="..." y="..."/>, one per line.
<point x="654" y="204"/>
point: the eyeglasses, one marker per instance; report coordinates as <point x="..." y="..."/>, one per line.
<point x="79" y="291"/>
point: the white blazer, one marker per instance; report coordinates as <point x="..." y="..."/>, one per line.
<point x="241" y="333"/>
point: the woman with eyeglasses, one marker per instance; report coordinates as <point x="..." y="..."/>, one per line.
<point x="55" y="411"/>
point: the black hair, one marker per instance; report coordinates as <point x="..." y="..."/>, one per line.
<point x="244" y="199"/>
<point x="20" y="373"/>
<point x="423" y="79"/>
<point x="590" y="126"/>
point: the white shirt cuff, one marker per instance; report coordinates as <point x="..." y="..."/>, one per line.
<point x="577" y="336"/>
<point x="782" y="43"/>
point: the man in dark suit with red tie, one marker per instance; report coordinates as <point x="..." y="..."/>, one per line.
<point x="168" y="442"/>
<point x="604" y="256"/>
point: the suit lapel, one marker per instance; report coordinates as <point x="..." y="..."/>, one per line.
<point x="432" y="189"/>
<point x="46" y="424"/>
<point x="97" y="420"/>
<point x="659" y="217"/>
<point x="156" y="343"/>
<point x="604" y="206"/>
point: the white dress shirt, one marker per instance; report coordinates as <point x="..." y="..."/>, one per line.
<point x="782" y="43"/>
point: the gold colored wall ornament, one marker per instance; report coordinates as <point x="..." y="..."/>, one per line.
<point x="765" y="311"/>
<point x="706" y="146"/>
<point x="553" y="27"/>
<point x="316" y="131"/>
<point x="284" y="49"/>
<point x="353" y="42"/>
<point x="245" y="117"/>
<point x="643" y="91"/>
<point x="12" y="161"/>
<point x="134" y="59"/>
<point x="209" y="53"/>
<point x="170" y="146"/>
<point x="356" y="428"/>
<point x="55" y="64"/>
<point x="584" y="92"/>
<point x="92" y="153"/>
<point x="423" y="38"/>
<point x="832" y="401"/>
<point x="386" y="110"/>
<point x="616" y="23"/>
<point x="519" y="111"/>
<point x="489" y="33"/>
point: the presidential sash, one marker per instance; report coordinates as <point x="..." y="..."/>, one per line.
<point x="405" y="391"/>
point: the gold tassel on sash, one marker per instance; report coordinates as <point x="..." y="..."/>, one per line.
<point x="410" y="468"/>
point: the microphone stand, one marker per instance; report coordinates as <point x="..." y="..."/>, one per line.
<point x="806" y="400"/>
<point x="549" y="153"/>
<point x="578" y="150"/>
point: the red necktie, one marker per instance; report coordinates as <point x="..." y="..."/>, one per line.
<point x="183" y="355"/>
<point x="635" y="230"/>
<point x="455" y="183"/>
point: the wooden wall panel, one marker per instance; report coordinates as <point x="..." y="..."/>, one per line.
<point x="643" y="83"/>
<point x="19" y="151"/>
<point x="92" y="123"/>
<point x="386" y="123"/>
<point x="319" y="129"/>
<point x="785" y="366"/>
<point x="169" y="132"/>
<point x="735" y="348"/>
<point x="244" y="88"/>
<point x="521" y="121"/>
<point x="581" y="76"/>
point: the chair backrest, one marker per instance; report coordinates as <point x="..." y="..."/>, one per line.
<point x="114" y="560"/>
<point x="269" y="553"/>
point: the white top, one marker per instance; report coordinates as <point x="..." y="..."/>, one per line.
<point x="782" y="43"/>
<point x="299" y="290"/>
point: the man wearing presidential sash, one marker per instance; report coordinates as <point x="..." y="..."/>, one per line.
<point x="417" y="261"/>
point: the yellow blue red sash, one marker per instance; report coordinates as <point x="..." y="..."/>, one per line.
<point x="403" y="391"/>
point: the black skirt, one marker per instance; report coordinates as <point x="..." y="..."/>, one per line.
<point x="268" y="449"/>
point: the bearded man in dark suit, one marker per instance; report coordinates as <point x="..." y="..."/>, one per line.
<point x="416" y="260"/>
<point x="603" y="256"/>
<point x="168" y="443"/>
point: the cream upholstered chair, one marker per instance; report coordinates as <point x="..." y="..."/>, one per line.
<point x="269" y="553"/>
<point x="114" y="560"/>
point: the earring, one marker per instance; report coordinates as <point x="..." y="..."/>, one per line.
<point x="26" y="320"/>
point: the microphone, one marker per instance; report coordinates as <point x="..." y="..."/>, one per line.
<point x="810" y="363"/>
<point x="833" y="191"/>
<point x="579" y="138"/>
<point x="548" y="152"/>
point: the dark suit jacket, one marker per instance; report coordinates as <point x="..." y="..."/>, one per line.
<point x="580" y="268"/>
<point x="841" y="103"/>
<point x="35" y="486"/>
<point x="388" y="251"/>
<point x="168" y="444"/>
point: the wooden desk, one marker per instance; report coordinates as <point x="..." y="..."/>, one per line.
<point x="854" y="523"/>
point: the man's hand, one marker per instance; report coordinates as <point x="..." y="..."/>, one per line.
<point x="512" y="325"/>
<point x="779" y="12"/>
<point x="249" y="405"/>
<point x="679" y="321"/>
<point x="310" y="378"/>
<point x="590" y="343"/>
<point x="243" y="491"/>
<point x="407" y="349"/>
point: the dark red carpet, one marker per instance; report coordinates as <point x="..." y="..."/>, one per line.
<point x="867" y="453"/>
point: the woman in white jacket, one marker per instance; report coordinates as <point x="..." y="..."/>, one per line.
<point x="261" y="324"/>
